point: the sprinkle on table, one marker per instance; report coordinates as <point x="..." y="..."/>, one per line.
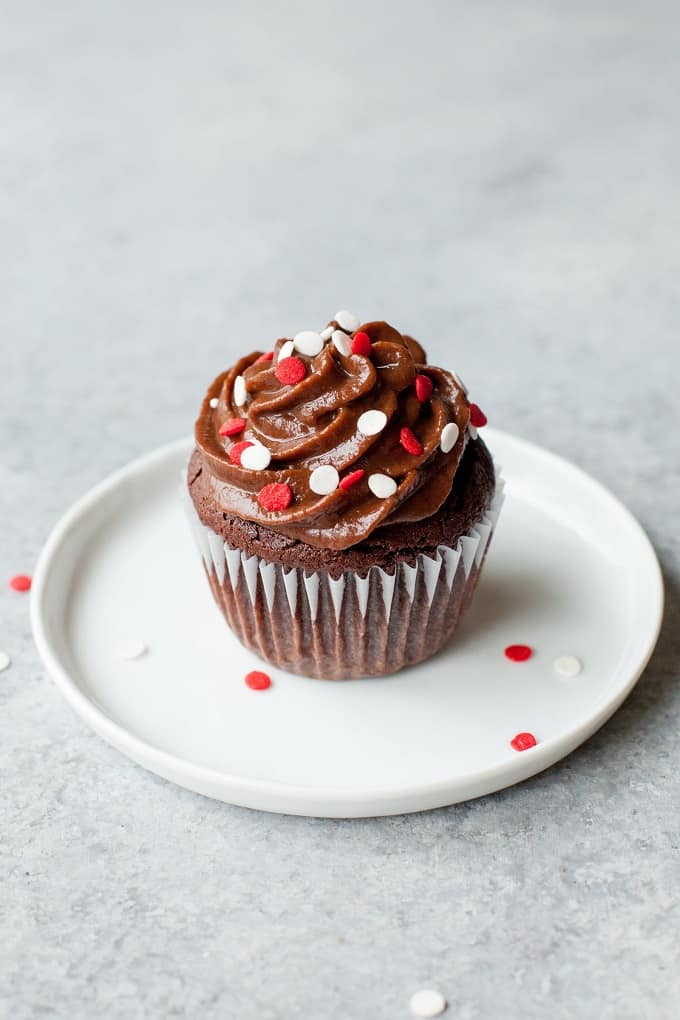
<point x="275" y="496"/>
<point x="449" y="437"/>
<point x="518" y="653"/>
<point x="382" y="486"/>
<point x="258" y="681"/>
<point x="324" y="480"/>
<point x="424" y="388"/>
<point x="427" y="1003"/>
<point x="523" y="741"/>
<point x="347" y="321"/>
<point x="567" y="666"/>
<point x="233" y="427"/>
<point x="236" y="451"/>
<point x="371" y="423"/>
<point x="352" y="479"/>
<point x="20" y="582"/>
<point x="409" y="440"/>
<point x="477" y="417"/>
<point x="290" y="371"/>
<point x="361" y="344"/>
<point x="5" y="661"/>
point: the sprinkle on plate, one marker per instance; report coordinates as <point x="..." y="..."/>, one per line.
<point x="523" y="741"/>
<point x="258" y="681"/>
<point x="20" y="582"/>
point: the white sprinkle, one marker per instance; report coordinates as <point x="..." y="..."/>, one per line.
<point x="460" y="383"/>
<point x="372" y="422"/>
<point x="473" y="431"/>
<point x="326" y="333"/>
<point x="347" y="321"/>
<point x="382" y="486"/>
<point x="287" y="350"/>
<point x="449" y="437"/>
<point x="427" y="1003"/>
<point x="342" y="342"/>
<point x="240" y="391"/>
<point x="256" y="458"/>
<point x="132" y="648"/>
<point x="214" y="402"/>
<point x="324" y="480"/>
<point x="5" y="661"/>
<point x="308" y="343"/>
<point x="567" y="665"/>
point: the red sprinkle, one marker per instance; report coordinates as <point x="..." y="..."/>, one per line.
<point x="20" y="583"/>
<point x="518" y="653"/>
<point x="290" y="371"/>
<point x="349" y="481"/>
<point x="409" y="440"/>
<point x="477" y="417"/>
<point x="235" y="451"/>
<point x="523" y="741"/>
<point x="361" y="344"/>
<point x="258" y="681"/>
<point x="424" y="387"/>
<point x="275" y="496"/>
<point x="233" y="427"/>
<point x="265" y="357"/>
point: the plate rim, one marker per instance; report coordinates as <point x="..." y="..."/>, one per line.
<point x="335" y="801"/>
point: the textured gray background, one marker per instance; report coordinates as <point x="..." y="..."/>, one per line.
<point x="179" y="182"/>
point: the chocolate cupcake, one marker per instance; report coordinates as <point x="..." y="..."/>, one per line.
<point x="342" y="500"/>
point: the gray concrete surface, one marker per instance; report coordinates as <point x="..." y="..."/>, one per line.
<point x="179" y="182"/>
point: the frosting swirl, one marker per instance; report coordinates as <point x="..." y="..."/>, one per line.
<point x="396" y="425"/>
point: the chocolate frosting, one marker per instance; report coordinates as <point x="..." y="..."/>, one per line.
<point x="315" y="422"/>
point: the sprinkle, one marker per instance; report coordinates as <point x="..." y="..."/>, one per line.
<point x="240" y="391"/>
<point x="233" y="426"/>
<point x="236" y="449"/>
<point x="290" y="371"/>
<point x="349" y="481"/>
<point x="308" y="343"/>
<point x="382" y="486"/>
<point x="214" y="402"/>
<point x="21" y="582"/>
<point x="424" y="387"/>
<point x="286" y="350"/>
<point x="347" y="321"/>
<point x="342" y="342"/>
<point x="324" y="480"/>
<point x="361" y="344"/>
<point x="518" y="653"/>
<point x="132" y="648"/>
<point x="472" y="432"/>
<point x="256" y="458"/>
<point x="427" y="1004"/>
<point x="276" y="496"/>
<point x="409" y="440"/>
<point x="567" y="665"/>
<point x="372" y="422"/>
<point x="523" y="741"/>
<point x="269" y="356"/>
<point x="258" y="681"/>
<point x="326" y="333"/>
<point x="5" y="661"/>
<point x="449" y="437"/>
<point x="477" y="417"/>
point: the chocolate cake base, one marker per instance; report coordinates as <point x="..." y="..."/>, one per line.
<point x="389" y="602"/>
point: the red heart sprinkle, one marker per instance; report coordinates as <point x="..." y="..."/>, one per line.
<point x="523" y="741"/>
<point x="235" y="451"/>
<point x="258" y="681"/>
<point x="265" y="357"/>
<point x="21" y="582"/>
<point x="424" y="387"/>
<point x="518" y="653"/>
<point x="409" y="440"/>
<point x="477" y="416"/>
<point x="352" y="479"/>
<point x="233" y="427"/>
<point x="361" y="344"/>
<point x="275" y="496"/>
<point x="290" y="371"/>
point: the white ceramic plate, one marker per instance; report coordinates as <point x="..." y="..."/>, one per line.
<point x="569" y="572"/>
